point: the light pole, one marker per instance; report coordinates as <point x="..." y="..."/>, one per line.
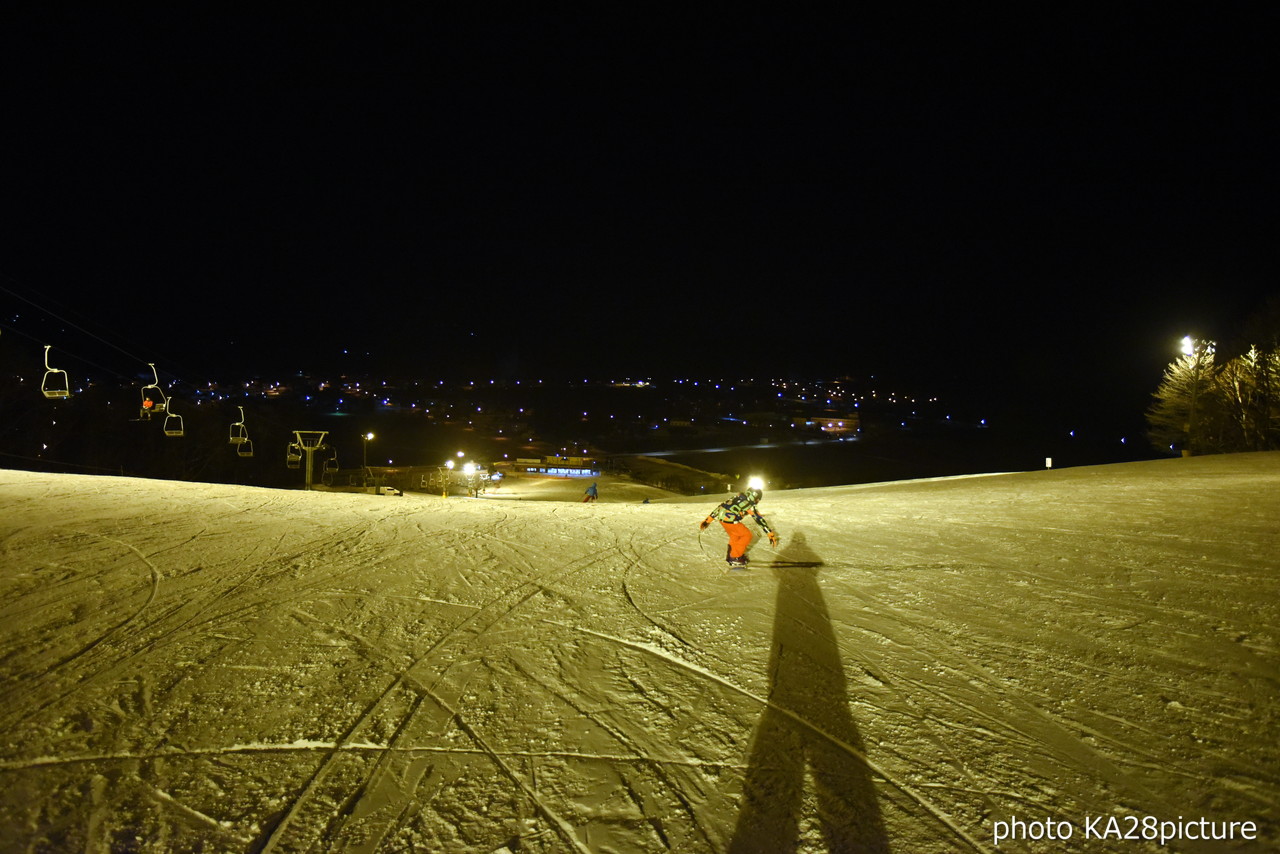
<point x="446" y="475"/>
<point x="1200" y="354"/>
<point x="364" y="455"/>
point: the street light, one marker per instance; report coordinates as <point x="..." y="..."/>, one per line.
<point x="1199" y="355"/>
<point x="364" y="455"/>
<point x="445" y="474"/>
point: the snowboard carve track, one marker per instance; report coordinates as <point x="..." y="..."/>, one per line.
<point x="142" y="609"/>
<point x="202" y="611"/>
<point x="42" y="692"/>
<point x="924" y="803"/>
<point x="563" y="828"/>
<point x="194" y="613"/>
<point x="1039" y="727"/>
<point x="654" y="764"/>
<point x="97" y="644"/>
<point x="998" y="672"/>
<point x="474" y="625"/>
<point x="350" y="747"/>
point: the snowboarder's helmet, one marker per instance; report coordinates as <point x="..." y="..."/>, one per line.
<point x="755" y="495"/>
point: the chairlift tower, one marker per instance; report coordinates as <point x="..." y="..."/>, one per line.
<point x="310" y="441"/>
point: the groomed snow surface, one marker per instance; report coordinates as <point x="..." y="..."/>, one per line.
<point x="194" y="667"/>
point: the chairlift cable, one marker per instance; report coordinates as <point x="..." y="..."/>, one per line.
<point x="173" y="421"/>
<point x="60" y="386"/>
<point x="66" y="353"/>
<point x="62" y="319"/>
<point x="93" y="335"/>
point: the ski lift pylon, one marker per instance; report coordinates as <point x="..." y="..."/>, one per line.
<point x="55" y="384"/>
<point x="309" y="441"/>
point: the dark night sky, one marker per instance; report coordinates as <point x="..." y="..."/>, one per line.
<point x="995" y="206"/>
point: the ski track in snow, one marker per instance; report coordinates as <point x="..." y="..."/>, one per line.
<point x="283" y="671"/>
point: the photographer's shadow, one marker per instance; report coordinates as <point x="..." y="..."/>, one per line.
<point x="807" y="724"/>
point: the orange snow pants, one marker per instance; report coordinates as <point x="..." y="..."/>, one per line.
<point x="739" y="538"/>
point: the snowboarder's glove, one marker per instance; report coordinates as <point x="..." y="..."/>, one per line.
<point x="705" y="523"/>
<point x="773" y="539"/>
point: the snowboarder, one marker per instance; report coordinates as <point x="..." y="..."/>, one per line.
<point x="730" y="514"/>
<point x="592" y="494"/>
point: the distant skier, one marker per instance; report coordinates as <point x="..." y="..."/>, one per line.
<point x="730" y="514"/>
<point x="592" y="494"/>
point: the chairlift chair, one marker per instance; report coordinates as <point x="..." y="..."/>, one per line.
<point x="153" y="397"/>
<point x="293" y="456"/>
<point x="329" y="470"/>
<point x="245" y="448"/>
<point x="55" y="384"/>
<point x="239" y="432"/>
<point x="172" y="424"/>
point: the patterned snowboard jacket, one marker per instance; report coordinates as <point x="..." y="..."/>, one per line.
<point x="738" y="508"/>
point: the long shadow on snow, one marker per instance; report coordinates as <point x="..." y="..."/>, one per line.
<point x="806" y="679"/>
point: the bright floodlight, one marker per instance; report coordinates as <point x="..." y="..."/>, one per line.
<point x="1188" y="346"/>
<point x="469" y="469"/>
<point x="368" y="435"/>
<point x="755" y="483"/>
